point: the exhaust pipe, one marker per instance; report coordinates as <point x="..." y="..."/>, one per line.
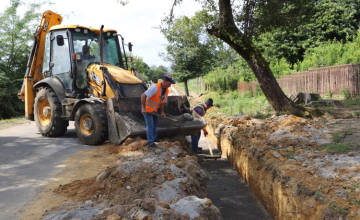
<point x="101" y="44"/>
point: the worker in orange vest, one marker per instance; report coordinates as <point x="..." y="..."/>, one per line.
<point x="151" y="100"/>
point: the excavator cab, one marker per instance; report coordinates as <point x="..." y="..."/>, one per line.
<point x="81" y="74"/>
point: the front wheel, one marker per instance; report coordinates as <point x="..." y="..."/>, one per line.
<point x="91" y="124"/>
<point x="47" y="113"/>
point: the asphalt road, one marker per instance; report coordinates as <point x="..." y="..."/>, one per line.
<point x="28" y="161"/>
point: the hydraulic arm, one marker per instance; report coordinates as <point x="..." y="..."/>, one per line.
<point x="34" y="66"/>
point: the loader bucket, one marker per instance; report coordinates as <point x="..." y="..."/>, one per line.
<point x="126" y="120"/>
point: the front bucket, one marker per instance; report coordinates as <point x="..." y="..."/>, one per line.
<point x="126" y="120"/>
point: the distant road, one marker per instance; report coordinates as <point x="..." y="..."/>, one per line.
<point x="28" y="161"/>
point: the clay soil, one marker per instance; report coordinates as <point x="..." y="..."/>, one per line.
<point x="129" y="181"/>
<point x="287" y="165"/>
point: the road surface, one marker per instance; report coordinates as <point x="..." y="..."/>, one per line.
<point x="28" y="161"/>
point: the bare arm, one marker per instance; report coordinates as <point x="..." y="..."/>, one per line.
<point x="162" y="107"/>
<point x="143" y="99"/>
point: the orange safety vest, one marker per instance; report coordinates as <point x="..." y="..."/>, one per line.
<point x="153" y="103"/>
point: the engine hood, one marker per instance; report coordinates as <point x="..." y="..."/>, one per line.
<point x="118" y="74"/>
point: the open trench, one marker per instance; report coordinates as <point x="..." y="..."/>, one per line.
<point x="282" y="161"/>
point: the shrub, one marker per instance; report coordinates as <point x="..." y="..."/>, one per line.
<point x="258" y="91"/>
<point x="247" y="94"/>
<point x="346" y="94"/>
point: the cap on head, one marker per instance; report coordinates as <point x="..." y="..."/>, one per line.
<point x="209" y="102"/>
<point x="169" y="78"/>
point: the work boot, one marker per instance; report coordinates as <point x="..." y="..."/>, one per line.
<point x="198" y="151"/>
<point x="152" y="145"/>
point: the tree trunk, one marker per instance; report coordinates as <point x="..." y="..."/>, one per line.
<point x="229" y="33"/>
<point x="186" y="88"/>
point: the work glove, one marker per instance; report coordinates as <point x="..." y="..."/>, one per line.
<point x="205" y="132"/>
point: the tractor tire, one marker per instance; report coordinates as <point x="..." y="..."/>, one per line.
<point x="91" y="124"/>
<point x="47" y="114"/>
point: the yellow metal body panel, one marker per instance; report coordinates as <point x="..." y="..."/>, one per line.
<point x="104" y="30"/>
<point x="73" y="26"/>
<point x="48" y="20"/>
<point x="117" y="74"/>
<point x="29" y="97"/>
<point x="121" y="75"/>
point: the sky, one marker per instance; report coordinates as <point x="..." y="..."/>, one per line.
<point x="135" y="21"/>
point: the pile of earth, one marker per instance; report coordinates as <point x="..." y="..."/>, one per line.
<point x="292" y="149"/>
<point x="157" y="183"/>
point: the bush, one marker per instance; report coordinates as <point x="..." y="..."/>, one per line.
<point x="346" y="94"/>
<point x="232" y="84"/>
<point x="247" y="94"/>
<point x="258" y="91"/>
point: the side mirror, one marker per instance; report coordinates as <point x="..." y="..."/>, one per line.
<point x="129" y="59"/>
<point x="60" y="40"/>
<point x="130" y="46"/>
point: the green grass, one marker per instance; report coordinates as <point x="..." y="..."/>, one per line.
<point x="338" y="136"/>
<point x="337" y="148"/>
<point x="232" y="103"/>
<point x="355" y="113"/>
<point x="6" y="123"/>
<point x="350" y="103"/>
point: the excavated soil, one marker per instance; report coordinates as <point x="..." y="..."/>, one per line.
<point x="137" y="183"/>
<point x="283" y="161"/>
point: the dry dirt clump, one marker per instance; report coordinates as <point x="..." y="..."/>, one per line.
<point x="144" y="183"/>
<point x="283" y="161"/>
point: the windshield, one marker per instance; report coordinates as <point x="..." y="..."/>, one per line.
<point x="88" y="46"/>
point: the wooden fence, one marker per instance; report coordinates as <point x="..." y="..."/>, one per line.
<point x="320" y="80"/>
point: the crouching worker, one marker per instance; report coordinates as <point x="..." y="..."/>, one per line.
<point x="200" y="110"/>
<point x="151" y="100"/>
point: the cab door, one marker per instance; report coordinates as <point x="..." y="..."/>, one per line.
<point x="60" y="63"/>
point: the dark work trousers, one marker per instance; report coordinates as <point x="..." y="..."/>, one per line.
<point x="195" y="140"/>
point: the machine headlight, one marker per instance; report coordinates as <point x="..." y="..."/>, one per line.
<point x="85" y="31"/>
<point x="77" y="29"/>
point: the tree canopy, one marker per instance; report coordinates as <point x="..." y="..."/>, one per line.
<point x="16" y="35"/>
<point x="189" y="49"/>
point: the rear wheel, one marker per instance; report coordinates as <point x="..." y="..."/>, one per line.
<point x="47" y="113"/>
<point x="91" y="124"/>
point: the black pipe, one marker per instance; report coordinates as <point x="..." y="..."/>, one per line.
<point x="101" y="44"/>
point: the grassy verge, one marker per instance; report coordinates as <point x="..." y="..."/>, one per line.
<point x="336" y="147"/>
<point x="6" y="123"/>
<point x="233" y="103"/>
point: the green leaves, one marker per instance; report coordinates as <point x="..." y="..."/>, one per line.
<point x="15" y="40"/>
<point x="320" y="21"/>
<point x="190" y="50"/>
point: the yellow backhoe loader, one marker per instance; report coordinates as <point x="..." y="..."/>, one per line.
<point x="81" y="74"/>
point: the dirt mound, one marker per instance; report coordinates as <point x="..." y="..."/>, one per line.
<point x="276" y="131"/>
<point x="143" y="184"/>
